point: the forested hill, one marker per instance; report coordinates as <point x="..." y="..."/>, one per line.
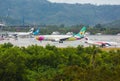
<point x="44" y="12"/>
<point x="114" y="24"/>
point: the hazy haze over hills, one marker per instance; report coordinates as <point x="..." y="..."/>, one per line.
<point x="45" y="12"/>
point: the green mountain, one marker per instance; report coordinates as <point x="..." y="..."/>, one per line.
<point x="45" y="12"/>
<point x="114" y="24"/>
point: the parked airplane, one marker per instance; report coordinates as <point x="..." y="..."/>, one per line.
<point x="30" y="32"/>
<point x="23" y="34"/>
<point x="61" y="38"/>
<point x="100" y="43"/>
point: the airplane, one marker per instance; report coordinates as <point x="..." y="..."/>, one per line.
<point x="24" y="34"/>
<point x="61" y="38"/>
<point x="100" y="43"/>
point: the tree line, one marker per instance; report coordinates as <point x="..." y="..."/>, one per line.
<point x="48" y="29"/>
<point x="37" y="63"/>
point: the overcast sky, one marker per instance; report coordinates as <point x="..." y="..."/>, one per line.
<point x="98" y="2"/>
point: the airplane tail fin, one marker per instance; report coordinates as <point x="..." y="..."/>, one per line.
<point x="36" y="32"/>
<point x="82" y="32"/>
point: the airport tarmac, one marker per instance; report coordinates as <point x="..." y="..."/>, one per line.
<point x="32" y="41"/>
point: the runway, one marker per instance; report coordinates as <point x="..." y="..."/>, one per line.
<point x="32" y="41"/>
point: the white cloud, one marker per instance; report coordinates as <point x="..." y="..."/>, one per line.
<point x="117" y="2"/>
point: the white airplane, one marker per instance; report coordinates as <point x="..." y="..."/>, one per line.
<point x="100" y="43"/>
<point x="22" y="34"/>
<point x="61" y="38"/>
